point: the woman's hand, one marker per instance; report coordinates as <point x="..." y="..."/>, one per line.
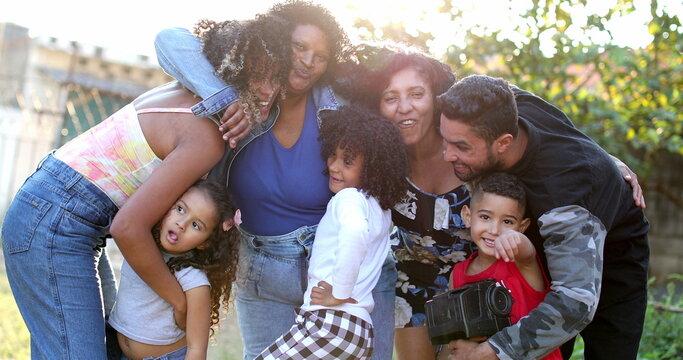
<point x="234" y="125"/>
<point x="322" y="295"/>
<point x="632" y="179"/>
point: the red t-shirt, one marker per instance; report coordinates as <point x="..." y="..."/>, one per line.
<point x="506" y="274"/>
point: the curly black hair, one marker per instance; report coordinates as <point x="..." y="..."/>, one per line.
<point x="301" y="12"/>
<point x="249" y="51"/>
<point x="501" y="184"/>
<point x="364" y="132"/>
<point x="364" y="79"/>
<point x="485" y="103"/>
<point x="219" y="259"/>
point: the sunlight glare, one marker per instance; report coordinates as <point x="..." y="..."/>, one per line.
<point x="91" y="24"/>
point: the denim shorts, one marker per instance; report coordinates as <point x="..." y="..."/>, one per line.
<point x="173" y="355"/>
<point x="51" y="236"/>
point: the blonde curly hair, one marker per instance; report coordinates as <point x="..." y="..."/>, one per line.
<point x="248" y="52"/>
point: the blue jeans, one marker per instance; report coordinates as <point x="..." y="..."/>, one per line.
<point x="50" y="237"/>
<point x="272" y="279"/>
<point x="382" y="315"/>
<point x="173" y="355"/>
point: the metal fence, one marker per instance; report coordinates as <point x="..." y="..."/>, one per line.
<point x="41" y="114"/>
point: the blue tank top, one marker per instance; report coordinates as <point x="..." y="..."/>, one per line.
<point x="281" y="189"/>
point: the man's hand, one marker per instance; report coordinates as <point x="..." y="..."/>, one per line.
<point x="322" y="295"/>
<point x="234" y="125"/>
<point x="470" y="350"/>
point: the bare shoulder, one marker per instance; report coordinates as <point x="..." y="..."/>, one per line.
<point x="165" y="96"/>
<point x="177" y="128"/>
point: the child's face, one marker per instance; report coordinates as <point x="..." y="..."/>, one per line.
<point x="189" y="223"/>
<point x="489" y="216"/>
<point x="344" y="172"/>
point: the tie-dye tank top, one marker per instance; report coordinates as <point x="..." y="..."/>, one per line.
<point x="114" y="155"/>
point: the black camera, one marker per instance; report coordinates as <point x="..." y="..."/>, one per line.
<point x="477" y="309"/>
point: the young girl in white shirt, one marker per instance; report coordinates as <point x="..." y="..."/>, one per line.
<point x="367" y="167"/>
<point x="198" y="240"/>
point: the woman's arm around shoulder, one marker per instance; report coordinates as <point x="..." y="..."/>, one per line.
<point x="189" y="147"/>
<point x="180" y="55"/>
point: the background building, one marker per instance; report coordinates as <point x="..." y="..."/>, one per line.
<point x="51" y="91"/>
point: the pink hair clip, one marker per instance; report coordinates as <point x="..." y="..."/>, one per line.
<point x="237" y="219"/>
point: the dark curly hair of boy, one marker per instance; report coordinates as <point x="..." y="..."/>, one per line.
<point x="301" y="12"/>
<point x="250" y="51"/>
<point x="219" y="259"/>
<point x="364" y="132"/>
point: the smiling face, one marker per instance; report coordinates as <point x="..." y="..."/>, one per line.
<point x="408" y="101"/>
<point x="470" y="155"/>
<point x="489" y="215"/>
<point x="265" y="91"/>
<point x="189" y="223"/>
<point x="310" y="56"/>
<point x="344" y="171"/>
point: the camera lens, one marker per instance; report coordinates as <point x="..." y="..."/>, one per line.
<point x="499" y="300"/>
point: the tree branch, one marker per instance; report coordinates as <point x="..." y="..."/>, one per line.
<point x="660" y="306"/>
<point x="667" y="194"/>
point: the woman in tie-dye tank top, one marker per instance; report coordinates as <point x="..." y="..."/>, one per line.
<point x="119" y="179"/>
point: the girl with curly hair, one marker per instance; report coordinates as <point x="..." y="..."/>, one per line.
<point x="367" y="166"/>
<point x="117" y="179"/>
<point x="402" y="83"/>
<point x="198" y="240"/>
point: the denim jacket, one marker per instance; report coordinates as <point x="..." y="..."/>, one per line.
<point x="179" y="54"/>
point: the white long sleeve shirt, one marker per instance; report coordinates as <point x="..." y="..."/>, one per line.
<point x="351" y="244"/>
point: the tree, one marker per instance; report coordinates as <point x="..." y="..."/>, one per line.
<point x="627" y="99"/>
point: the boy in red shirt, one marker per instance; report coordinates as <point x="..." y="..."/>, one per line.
<point x="496" y="221"/>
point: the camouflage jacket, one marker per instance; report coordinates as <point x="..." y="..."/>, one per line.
<point x="585" y="226"/>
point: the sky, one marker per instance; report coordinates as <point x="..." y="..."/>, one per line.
<point x="129" y="26"/>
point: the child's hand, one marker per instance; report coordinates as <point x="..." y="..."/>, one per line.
<point x="508" y="244"/>
<point x="180" y="318"/>
<point x="322" y="295"/>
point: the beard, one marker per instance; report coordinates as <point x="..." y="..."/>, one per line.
<point x="491" y="165"/>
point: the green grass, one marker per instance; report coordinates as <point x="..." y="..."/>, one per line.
<point x="14" y="338"/>
<point x="664" y="326"/>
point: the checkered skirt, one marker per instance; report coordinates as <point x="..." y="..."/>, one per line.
<point x="323" y="334"/>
